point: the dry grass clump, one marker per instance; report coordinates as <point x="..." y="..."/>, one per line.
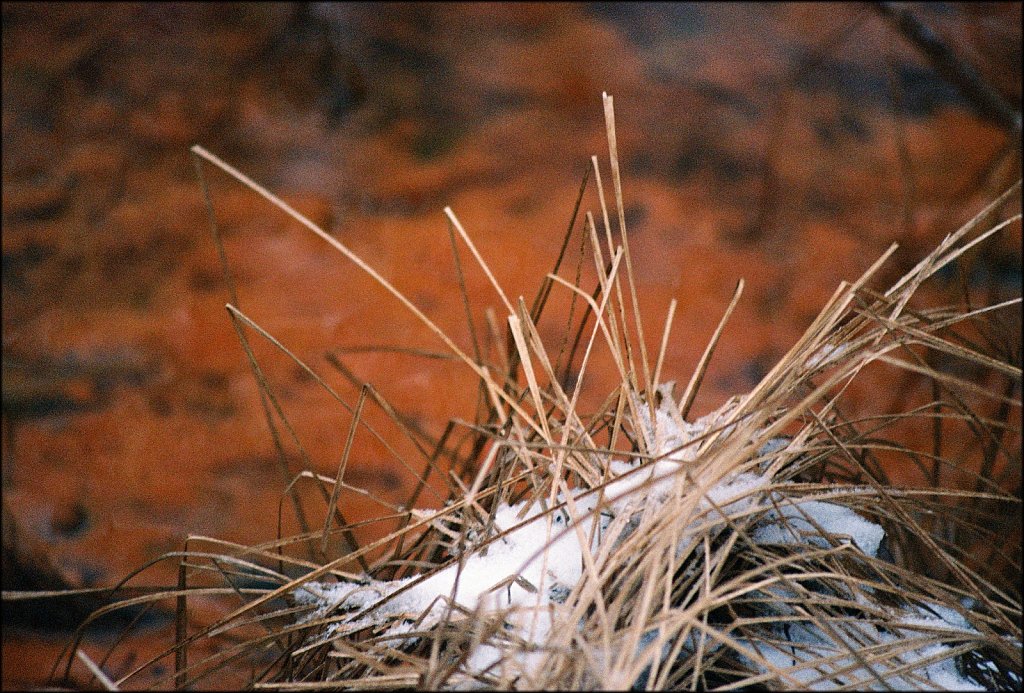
<point x="762" y="545"/>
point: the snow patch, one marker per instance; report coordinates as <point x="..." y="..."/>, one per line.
<point x="527" y="575"/>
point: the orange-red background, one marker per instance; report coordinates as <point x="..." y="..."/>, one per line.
<point x="786" y="144"/>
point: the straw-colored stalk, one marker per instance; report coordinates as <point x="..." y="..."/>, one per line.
<point x="760" y="545"/>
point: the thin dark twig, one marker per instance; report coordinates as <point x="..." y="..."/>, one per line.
<point x="952" y="67"/>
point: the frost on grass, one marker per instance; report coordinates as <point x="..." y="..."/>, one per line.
<point x="534" y="561"/>
<point x="535" y="557"/>
<point x="760" y="546"/>
<point x="751" y="547"/>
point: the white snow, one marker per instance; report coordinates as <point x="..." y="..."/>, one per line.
<point x="827" y="353"/>
<point x="528" y="573"/>
<point x="800" y="519"/>
<point x="926" y="664"/>
<point x="927" y="667"/>
<point x="508" y="574"/>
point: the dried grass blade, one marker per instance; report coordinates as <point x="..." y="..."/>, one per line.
<point x="698" y="374"/>
<point x="96" y="671"/>
<point x="356" y="415"/>
<point x="613" y="154"/>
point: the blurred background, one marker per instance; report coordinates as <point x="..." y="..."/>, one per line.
<point x="788" y="145"/>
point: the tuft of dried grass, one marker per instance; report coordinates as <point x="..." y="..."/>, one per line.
<point x="762" y="545"/>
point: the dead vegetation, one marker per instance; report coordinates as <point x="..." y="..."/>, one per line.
<point x="763" y="545"/>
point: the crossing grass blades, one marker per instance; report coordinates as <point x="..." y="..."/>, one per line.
<point x="762" y="545"/>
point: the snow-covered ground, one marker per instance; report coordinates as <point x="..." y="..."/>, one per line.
<point x="528" y="573"/>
